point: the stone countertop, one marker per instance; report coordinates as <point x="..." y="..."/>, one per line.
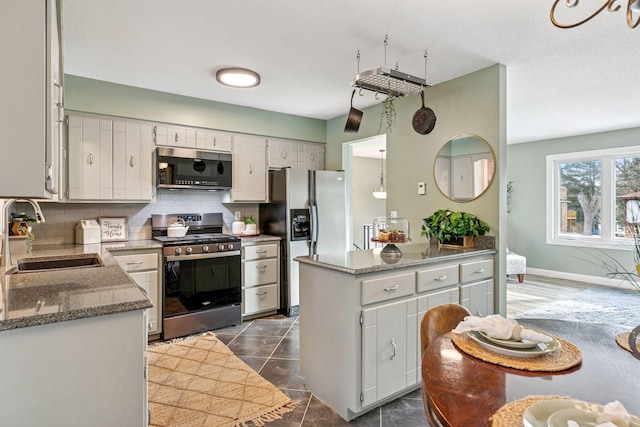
<point x="259" y="239"/>
<point x="38" y="298"/>
<point x="370" y="261"/>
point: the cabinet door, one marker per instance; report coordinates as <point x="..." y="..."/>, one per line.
<point x="258" y="299"/>
<point x="190" y="138"/>
<point x="282" y="153"/>
<point x="89" y="158"/>
<point x="213" y="140"/>
<point x="478" y="297"/>
<point x="177" y="136"/>
<point x="260" y="272"/>
<point x="249" y="169"/>
<point x="311" y="155"/>
<point x="160" y="135"/>
<point x="388" y="349"/>
<point x="132" y="176"/>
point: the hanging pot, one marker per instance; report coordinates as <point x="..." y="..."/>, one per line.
<point x="354" y="118"/>
<point x="424" y="120"/>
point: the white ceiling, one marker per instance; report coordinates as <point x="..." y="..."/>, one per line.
<point x="560" y="82"/>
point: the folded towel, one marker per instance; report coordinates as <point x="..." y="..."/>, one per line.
<point x="499" y="327"/>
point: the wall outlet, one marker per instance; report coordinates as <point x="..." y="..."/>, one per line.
<point x="422" y="188"/>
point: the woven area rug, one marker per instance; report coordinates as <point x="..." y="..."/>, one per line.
<point x="198" y="381"/>
<point x="597" y="305"/>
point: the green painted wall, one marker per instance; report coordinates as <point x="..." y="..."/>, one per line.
<point x="526" y="223"/>
<point x="95" y="96"/>
<point x="473" y="104"/>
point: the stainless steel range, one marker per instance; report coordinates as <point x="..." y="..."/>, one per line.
<point x="202" y="274"/>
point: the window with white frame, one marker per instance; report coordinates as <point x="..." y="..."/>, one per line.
<point x="593" y="197"/>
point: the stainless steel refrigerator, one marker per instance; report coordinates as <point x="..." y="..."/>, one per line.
<point x="307" y="211"/>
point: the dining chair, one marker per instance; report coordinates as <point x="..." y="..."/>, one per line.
<point x="435" y="322"/>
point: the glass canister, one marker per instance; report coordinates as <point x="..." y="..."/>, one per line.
<point x="390" y="230"/>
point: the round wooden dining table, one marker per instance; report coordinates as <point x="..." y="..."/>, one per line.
<point x="462" y="391"/>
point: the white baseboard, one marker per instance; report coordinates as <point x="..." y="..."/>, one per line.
<point x="595" y="280"/>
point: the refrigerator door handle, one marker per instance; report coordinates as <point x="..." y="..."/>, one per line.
<point x="314" y="228"/>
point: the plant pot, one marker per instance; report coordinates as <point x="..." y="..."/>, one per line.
<point x="463" y="242"/>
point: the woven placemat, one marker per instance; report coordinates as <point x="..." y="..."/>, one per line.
<point x="567" y="356"/>
<point x="623" y="340"/>
<point x="511" y="414"/>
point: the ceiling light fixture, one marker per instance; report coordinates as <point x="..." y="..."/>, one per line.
<point x="237" y="77"/>
<point x="381" y="191"/>
<point x="609" y="5"/>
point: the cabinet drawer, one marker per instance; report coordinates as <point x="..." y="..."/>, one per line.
<point x="136" y="262"/>
<point x="479" y="270"/>
<point x="260" y="272"/>
<point x="260" y="298"/>
<point x="388" y="287"/>
<point x="260" y="252"/>
<point x="436" y="278"/>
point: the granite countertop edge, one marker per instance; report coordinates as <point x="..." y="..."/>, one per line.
<point x="132" y="297"/>
<point x="381" y="266"/>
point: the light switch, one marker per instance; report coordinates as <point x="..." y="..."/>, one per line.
<point x="422" y="188"/>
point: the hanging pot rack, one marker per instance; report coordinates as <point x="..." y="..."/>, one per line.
<point x="389" y="81"/>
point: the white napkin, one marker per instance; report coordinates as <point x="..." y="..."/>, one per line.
<point x="612" y="411"/>
<point x="500" y="327"/>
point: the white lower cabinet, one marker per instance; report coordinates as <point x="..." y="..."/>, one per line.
<point x="143" y="266"/>
<point x="388" y="350"/>
<point x="476" y="286"/>
<point x="260" y="278"/>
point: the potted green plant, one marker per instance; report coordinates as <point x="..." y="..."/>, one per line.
<point x="388" y="114"/>
<point x="451" y="228"/>
<point x="22" y="227"/>
<point x="250" y="225"/>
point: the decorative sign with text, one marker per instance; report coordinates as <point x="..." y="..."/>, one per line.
<point x="113" y="229"/>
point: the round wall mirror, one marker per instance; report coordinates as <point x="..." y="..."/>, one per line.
<point x="464" y="167"/>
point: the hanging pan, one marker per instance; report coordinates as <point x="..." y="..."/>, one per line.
<point x="424" y="120"/>
<point x="354" y="117"/>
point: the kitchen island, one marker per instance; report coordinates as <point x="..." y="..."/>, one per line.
<point x="360" y="317"/>
<point x="73" y="342"/>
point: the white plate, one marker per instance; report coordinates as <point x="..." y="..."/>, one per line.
<point x="581" y="417"/>
<point x="539" y="349"/>
<point x="540" y="414"/>
<point x="508" y="343"/>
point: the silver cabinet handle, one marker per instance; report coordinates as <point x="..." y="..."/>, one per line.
<point x="441" y="278"/>
<point x="135" y="262"/>
<point x="261" y="293"/>
<point x="393" y="346"/>
<point x="312" y="157"/>
<point x="261" y="252"/>
<point x="91" y="158"/>
<point x="154" y="132"/>
<point x="480" y="270"/>
<point x="150" y="325"/>
<point x="261" y="268"/>
<point x="214" y="141"/>
<point x="284" y="154"/>
<point x="176" y="137"/>
<point x="392" y="288"/>
<point x="250" y="168"/>
<point x="132" y="161"/>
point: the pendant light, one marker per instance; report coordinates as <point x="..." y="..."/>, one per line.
<point x="381" y="191"/>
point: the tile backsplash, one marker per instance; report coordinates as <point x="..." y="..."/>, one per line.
<point x="62" y="218"/>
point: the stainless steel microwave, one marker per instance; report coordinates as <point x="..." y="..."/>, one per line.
<point x="191" y="169"/>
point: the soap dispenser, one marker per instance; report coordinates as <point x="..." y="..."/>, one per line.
<point x="238" y="225"/>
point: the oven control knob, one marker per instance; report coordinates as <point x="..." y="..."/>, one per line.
<point x="188" y="250"/>
<point x="205" y="248"/>
<point x="221" y="247"/>
<point x="230" y="246"/>
<point x="178" y="251"/>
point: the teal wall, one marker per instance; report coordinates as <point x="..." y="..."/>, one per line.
<point x="526" y="223"/>
<point x="95" y="96"/>
<point x="473" y="104"/>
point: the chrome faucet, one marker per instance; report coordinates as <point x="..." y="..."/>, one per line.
<point x="6" y="251"/>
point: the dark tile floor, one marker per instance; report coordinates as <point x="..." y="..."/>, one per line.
<point x="270" y="345"/>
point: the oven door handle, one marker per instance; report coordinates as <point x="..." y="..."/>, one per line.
<point x="201" y="256"/>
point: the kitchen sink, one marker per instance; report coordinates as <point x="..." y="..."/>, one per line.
<point x="39" y="264"/>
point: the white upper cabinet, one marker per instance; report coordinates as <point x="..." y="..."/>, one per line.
<point x="214" y="140"/>
<point x="31" y="87"/>
<point x="249" y="179"/>
<point x="311" y="156"/>
<point x="109" y="159"/>
<point x="282" y="153"/>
